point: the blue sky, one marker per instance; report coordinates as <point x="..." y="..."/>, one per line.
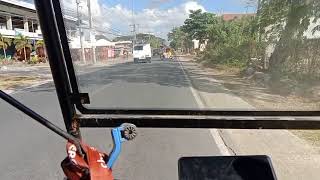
<point x="152" y="16"/>
<point x="160" y="16"/>
<point x="216" y="6"/>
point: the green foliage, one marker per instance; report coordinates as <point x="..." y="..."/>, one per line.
<point x="278" y="29"/>
<point x="229" y="40"/>
<point x="34" y="60"/>
<point x="284" y="23"/>
<point x="21" y="43"/>
<point x="179" y="39"/>
<point x="197" y="24"/>
<point x="39" y="43"/>
<point x="5" y="42"/>
<point x="226" y="41"/>
<point x="154" y="41"/>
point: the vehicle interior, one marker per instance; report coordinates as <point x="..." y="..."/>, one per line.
<point x="85" y="107"/>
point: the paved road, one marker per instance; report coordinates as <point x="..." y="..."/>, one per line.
<point x="29" y="151"/>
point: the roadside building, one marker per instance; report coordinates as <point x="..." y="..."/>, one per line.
<point x="123" y="48"/>
<point x="20" y="18"/>
<point x="232" y="16"/>
<point x="104" y="49"/>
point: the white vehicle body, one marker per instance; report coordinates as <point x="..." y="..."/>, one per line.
<point x="142" y="52"/>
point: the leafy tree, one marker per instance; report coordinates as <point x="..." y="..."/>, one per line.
<point x="4" y="43"/>
<point x="197" y="24"/>
<point x="229" y="39"/>
<point x="40" y="43"/>
<point x="284" y="22"/>
<point x="179" y="39"/>
<point x="154" y="41"/>
<point x="21" y="43"/>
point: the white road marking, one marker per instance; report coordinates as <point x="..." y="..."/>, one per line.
<point x="194" y="92"/>
<point x="220" y="143"/>
<point x="214" y="132"/>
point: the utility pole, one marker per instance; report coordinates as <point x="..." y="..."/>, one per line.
<point x="258" y="16"/>
<point x="92" y="32"/>
<point x="133" y="27"/>
<point x="81" y="33"/>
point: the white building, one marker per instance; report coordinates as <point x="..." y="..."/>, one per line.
<point x="19" y="17"/>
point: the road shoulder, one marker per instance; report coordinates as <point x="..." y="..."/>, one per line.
<point x="293" y="158"/>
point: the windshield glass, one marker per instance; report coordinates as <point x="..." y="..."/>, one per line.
<point x="226" y="55"/>
<point x="138" y="48"/>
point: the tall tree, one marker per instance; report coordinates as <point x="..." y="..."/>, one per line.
<point x="197" y="24"/>
<point x="285" y="22"/>
<point x="179" y="39"/>
<point x="22" y="43"/>
<point x="4" y="43"/>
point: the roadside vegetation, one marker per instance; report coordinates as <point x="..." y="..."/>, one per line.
<point x="154" y="41"/>
<point x="277" y="46"/>
<point x="21" y="49"/>
<point x="271" y="59"/>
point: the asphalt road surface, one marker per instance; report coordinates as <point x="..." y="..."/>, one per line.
<point x="29" y="151"/>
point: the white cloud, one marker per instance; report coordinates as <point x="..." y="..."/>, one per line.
<point x="193" y="5"/>
<point x="119" y="18"/>
<point x="154" y="20"/>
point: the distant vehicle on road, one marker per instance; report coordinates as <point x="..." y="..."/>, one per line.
<point x="156" y="52"/>
<point x="142" y="53"/>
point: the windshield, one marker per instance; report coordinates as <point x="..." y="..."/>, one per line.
<point x="216" y="54"/>
<point x="220" y="55"/>
<point x="137" y="48"/>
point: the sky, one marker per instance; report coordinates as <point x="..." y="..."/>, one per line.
<point x="157" y="17"/>
<point x="160" y="16"/>
<point x="235" y="6"/>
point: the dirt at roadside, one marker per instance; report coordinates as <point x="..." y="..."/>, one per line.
<point x="264" y="98"/>
<point x="14" y="82"/>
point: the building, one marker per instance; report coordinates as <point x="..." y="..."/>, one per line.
<point x="18" y="17"/>
<point x="230" y="17"/>
<point x="123" y="48"/>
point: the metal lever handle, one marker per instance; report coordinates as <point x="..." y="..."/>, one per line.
<point x="125" y="132"/>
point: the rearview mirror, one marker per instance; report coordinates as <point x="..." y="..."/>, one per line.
<point x="226" y="168"/>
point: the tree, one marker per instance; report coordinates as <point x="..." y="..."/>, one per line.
<point x="285" y="22"/>
<point x="4" y="43"/>
<point x="21" y="43"/>
<point x="179" y="39"/>
<point x="197" y="25"/>
<point x="39" y="44"/>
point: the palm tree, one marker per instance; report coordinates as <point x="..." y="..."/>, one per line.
<point x="21" y="43"/>
<point x="39" y="44"/>
<point x="4" y="43"/>
<point x="40" y="49"/>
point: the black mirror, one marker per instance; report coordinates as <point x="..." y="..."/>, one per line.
<point x="226" y="168"/>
